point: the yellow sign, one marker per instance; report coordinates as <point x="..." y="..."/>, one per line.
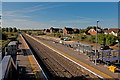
<point x="112" y="68"/>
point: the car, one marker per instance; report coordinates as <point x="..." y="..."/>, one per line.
<point x="62" y="38"/>
<point x="65" y="39"/>
<point x="104" y="48"/>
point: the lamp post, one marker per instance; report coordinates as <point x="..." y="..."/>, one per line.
<point x="118" y="50"/>
<point x="96" y="44"/>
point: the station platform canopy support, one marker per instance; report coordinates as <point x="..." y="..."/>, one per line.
<point x="105" y="55"/>
<point x="109" y="55"/>
<point x="82" y="48"/>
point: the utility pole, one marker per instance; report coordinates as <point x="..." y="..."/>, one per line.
<point x="96" y="44"/>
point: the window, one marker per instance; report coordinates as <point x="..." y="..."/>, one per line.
<point x="91" y="30"/>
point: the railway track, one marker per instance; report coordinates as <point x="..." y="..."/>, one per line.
<point x="59" y="67"/>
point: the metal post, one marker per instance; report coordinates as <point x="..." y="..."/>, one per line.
<point x="118" y="51"/>
<point x="96" y="45"/>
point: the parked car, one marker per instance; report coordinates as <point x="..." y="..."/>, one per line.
<point x="104" y="48"/>
<point x="65" y="39"/>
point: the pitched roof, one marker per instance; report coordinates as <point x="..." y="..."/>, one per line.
<point x="116" y="30"/>
<point x="55" y="29"/>
<point x="107" y="31"/>
<point x="69" y="29"/>
<point x="98" y="29"/>
<point x="95" y="28"/>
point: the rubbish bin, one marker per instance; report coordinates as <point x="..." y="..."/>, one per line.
<point x="86" y="52"/>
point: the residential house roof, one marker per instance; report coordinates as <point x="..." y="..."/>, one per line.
<point x="116" y="30"/>
<point x="98" y="29"/>
<point x="69" y="29"/>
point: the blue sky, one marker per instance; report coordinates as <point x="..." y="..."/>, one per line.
<point x="40" y="15"/>
<point x="60" y="0"/>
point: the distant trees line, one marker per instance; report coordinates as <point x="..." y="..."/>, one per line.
<point x="5" y="35"/>
<point x="9" y="29"/>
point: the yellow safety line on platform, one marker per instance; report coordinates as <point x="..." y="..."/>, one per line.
<point x="28" y="56"/>
<point x="76" y="60"/>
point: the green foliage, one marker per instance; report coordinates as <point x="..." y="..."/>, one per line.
<point x="4" y="36"/>
<point x="83" y="31"/>
<point x="10" y="29"/>
<point x="118" y="36"/>
<point x="101" y="38"/>
<point x="3" y="29"/>
<point x="82" y="37"/>
<point x="93" y="39"/>
<point x="61" y="31"/>
<point x="14" y="29"/>
<point x="89" y="38"/>
<point x="4" y="43"/>
<point x="6" y="29"/>
<point x="88" y="28"/>
<point x="58" y="35"/>
<point x="110" y="40"/>
<point x="40" y="33"/>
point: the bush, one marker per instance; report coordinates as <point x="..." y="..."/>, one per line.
<point x="110" y="40"/>
<point x="93" y="39"/>
<point x="101" y="39"/>
<point x="82" y="37"/>
<point x="4" y="36"/>
<point x="58" y="35"/>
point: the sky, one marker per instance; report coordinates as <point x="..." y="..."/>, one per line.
<point x="40" y="15"/>
<point x="60" y="0"/>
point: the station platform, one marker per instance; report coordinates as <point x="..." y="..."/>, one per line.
<point x="28" y="67"/>
<point x="79" y="58"/>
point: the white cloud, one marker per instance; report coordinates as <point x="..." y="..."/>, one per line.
<point x="20" y="20"/>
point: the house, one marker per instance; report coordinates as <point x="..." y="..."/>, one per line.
<point x="76" y="30"/>
<point x="68" y="30"/>
<point x="46" y="31"/>
<point x="55" y="30"/>
<point x="86" y="33"/>
<point x="92" y="31"/>
<point x="43" y="30"/>
<point x="113" y="31"/>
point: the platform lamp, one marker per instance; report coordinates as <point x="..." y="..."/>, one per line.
<point x="96" y="44"/>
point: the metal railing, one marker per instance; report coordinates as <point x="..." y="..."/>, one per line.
<point x="8" y="69"/>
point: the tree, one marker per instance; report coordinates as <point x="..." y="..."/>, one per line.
<point x="101" y="39"/>
<point x="88" y="28"/>
<point x="58" y="35"/>
<point x="14" y="29"/>
<point x="82" y="31"/>
<point x="4" y="36"/>
<point x="82" y="37"/>
<point x="3" y="29"/>
<point x="92" y="39"/>
<point x="110" y="39"/>
<point x="10" y="29"/>
<point x="61" y="31"/>
<point x="118" y="36"/>
<point x="6" y="29"/>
